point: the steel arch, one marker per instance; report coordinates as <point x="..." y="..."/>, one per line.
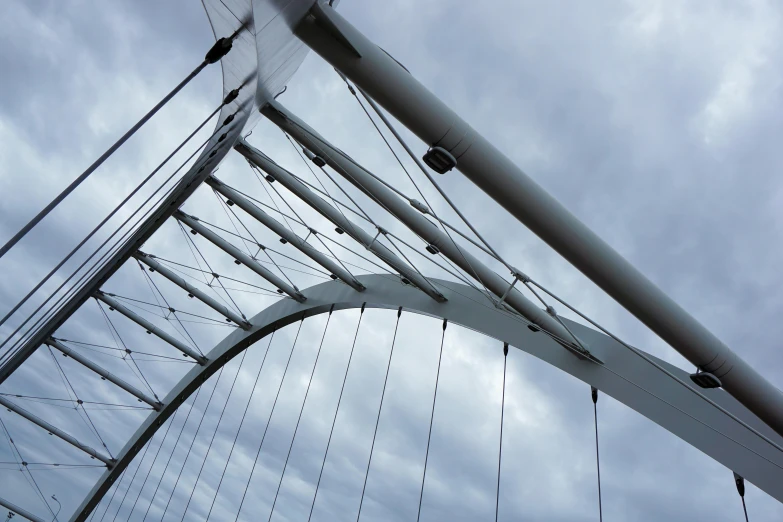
<point x="623" y="375"/>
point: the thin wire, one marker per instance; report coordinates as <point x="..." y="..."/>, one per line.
<point x="272" y="261"/>
<point x="162" y="307"/>
<point x="154" y="460"/>
<point x="78" y="402"/>
<point x="173" y="312"/>
<point x="502" y="414"/>
<point x="336" y="411"/>
<point x="171" y="455"/>
<point x="133" y="479"/>
<point x="130" y="355"/>
<point x="211" y="273"/>
<point x="70" y="400"/>
<point x="427" y="174"/>
<point x="378" y="418"/>
<point x="241" y="423"/>
<point x="650" y="361"/>
<point x="97" y="163"/>
<point x="22" y="461"/>
<point x="195" y="436"/>
<point x="189" y="239"/>
<point x="594" y="393"/>
<point x="301" y="410"/>
<point x="744" y="509"/>
<point x="269" y="420"/>
<point x="214" y="433"/>
<point x="223" y="205"/>
<point x="106" y="219"/>
<point x="111" y="499"/>
<point x="91" y="346"/>
<point x="367" y="193"/>
<point x="117" y="245"/>
<point x="432" y="417"/>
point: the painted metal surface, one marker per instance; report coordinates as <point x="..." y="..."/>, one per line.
<point x="278" y="228"/>
<point x="393" y="87"/>
<point x="333" y="214"/>
<point x="19" y="511"/>
<point x="10" y="406"/>
<point x="84" y="361"/>
<point x="623" y="375"/>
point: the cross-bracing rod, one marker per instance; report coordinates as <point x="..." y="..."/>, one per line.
<point x="19" y="511"/>
<point x="257" y="158"/>
<point x="55" y="431"/>
<point x="149" y="327"/>
<point x="394" y="88"/>
<point x="79" y="358"/>
<point x="240" y="256"/>
<point x="276" y="227"/>
<point x="413" y="219"/>
<point x="223" y="310"/>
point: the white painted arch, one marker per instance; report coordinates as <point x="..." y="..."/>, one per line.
<point x="622" y="375"/>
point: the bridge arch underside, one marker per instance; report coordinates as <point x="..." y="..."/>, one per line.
<point x="622" y="375"/>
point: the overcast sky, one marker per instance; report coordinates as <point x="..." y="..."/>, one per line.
<point x="656" y="123"/>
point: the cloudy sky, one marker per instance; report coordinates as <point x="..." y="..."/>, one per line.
<point x="656" y="123"/>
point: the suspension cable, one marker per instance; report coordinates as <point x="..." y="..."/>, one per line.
<point x="154" y="460"/>
<point x="336" y="411"/>
<point x="269" y="420"/>
<point x="173" y="449"/>
<point x="23" y="467"/>
<point x="219" y="50"/>
<point x="106" y="219"/>
<point x="127" y="490"/>
<point x="152" y="284"/>
<point x="113" y="330"/>
<point x="301" y="410"/>
<point x="95" y="266"/>
<point x="502" y="414"/>
<point x="432" y="417"/>
<point x="241" y="423"/>
<point x="79" y="403"/>
<point x="427" y="174"/>
<point x="739" y="481"/>
<point x="195" y="436"/>
<point x="594" y="394"/>
<point x="214" y="433"/>
<point x="378" y="417"/>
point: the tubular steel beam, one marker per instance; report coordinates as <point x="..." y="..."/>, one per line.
<point x="259" y="159"/>
<point x="394" y="88"/>
<point x="624" y="375"/>
<point x="276" y="227"/>
<point x="19" y="511"/>
<point x="172" y="276"/>
<point x="55" y="431"/>
<point x="149" y="327"/>
<point x="79" y="358"/>
<point x="413" y="219"/>
<point x="240" y="256"/>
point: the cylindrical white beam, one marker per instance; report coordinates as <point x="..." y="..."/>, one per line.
<point x="19" y="511"/>
<point x="277" y="227"/>
<point x="223" y="310"/>
<point x="393" y="87"/>
<point x="149" y="327"/>
<point x="55" y="431"/>
<point x="79" y="358"/>
<point x="240" y="256"/>
<point x="413" y="219"/>
<point x="257" y="158"/>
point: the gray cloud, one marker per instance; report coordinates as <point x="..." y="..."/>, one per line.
<point x="654" y="123"/>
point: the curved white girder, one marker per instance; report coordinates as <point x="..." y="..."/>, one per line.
<point x="623" y="375"/>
